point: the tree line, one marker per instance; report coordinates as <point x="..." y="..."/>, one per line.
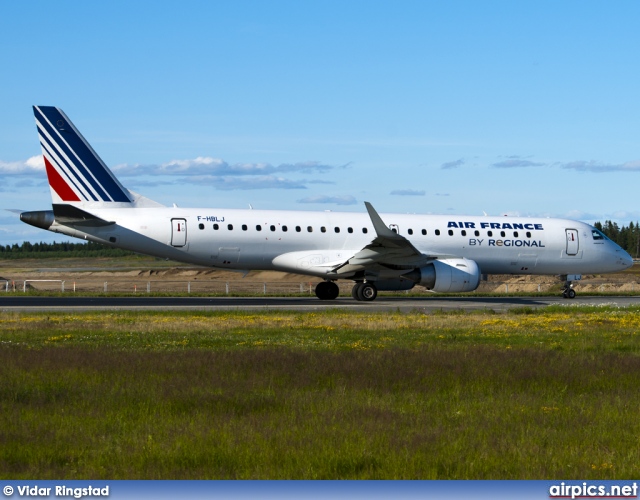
<point x="28" y="250"/>
<point x="628" y="237"/>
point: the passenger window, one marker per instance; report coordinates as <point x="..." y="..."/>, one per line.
<point x="298" y="229"/>
<point x="437" y="232"/>
<point x="216" y="227"/>
<point x="463" y="232"/>
<point x="336" y="229"/>
<point x="515" y="234"/>
<point x="476" y="232"/>
<point x="349" y="230"/>
<point x="258" y="227"/>
<point x="323" y="229"/>
<point x="309" y="229"/>
<point x="285" y="229"/>
<point x="410" y="231"/>
<point x="528" y="234"/>
<point x="201" y="226"/>
<point x="502" y="234"/>
<point x="244" y="227"/>
<point x="230" y="227"/>
<point x="489" y="234"/>
<point x="450" y="232"/>
<point x="424" y="232"/>
<point x="272" y="227"/>
<point x="365" y="230"/>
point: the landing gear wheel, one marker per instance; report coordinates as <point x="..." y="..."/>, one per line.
<point x="568" y="292"/>
<point x="367" y="292"/>
<point x="355" y="290"/>
<point x="327" y="290"/>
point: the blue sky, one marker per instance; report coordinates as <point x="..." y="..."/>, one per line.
<point x="459" y="107"/>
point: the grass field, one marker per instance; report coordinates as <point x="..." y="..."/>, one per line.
<point x="534" y="394"/>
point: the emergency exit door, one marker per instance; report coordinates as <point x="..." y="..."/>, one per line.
<point x="572" y="241"/>
<point x="178" y="232"/>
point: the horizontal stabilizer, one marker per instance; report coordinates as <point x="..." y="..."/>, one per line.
<point x="70" y="215"/>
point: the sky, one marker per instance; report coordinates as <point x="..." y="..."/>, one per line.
<point x="527" y="108"/>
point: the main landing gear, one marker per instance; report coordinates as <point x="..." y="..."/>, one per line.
<point x="327" y="290"/>
<point x="364" y="291"/>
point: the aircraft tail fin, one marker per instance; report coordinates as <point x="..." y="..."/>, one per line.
<point x="76" y="174"/>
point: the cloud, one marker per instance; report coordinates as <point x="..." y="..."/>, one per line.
<point x="579" y="215"/>
<point x="35" y="164"/>
<point x="516" y="163"/>
<point x="626" y="215"/>
<point x="228" y="183"/>
<point x="594" y="166"/>
<point x="224" y="176"/>
<point x="408" y="192"/>
<point x="317" y="181"/>
<point x="205" y="165"/>
<point x="139" y="183"/>
<point x="442" y="194"/>
<point x="224" y="183"/>
<point x="31" y="183"/>
<point x="452" y="164"/>
<point x="335" y="200"/>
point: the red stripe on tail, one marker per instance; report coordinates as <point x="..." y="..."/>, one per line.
<point x="58" y="184"/>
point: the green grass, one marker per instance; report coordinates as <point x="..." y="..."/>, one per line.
<point x="535" y="394"/>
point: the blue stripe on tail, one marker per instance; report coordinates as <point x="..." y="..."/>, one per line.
<point x="104" y="184"/>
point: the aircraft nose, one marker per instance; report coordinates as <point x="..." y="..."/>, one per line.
<point x="628" y="260"/>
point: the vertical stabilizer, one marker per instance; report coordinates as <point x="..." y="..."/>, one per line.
<point x="76" y="173"/>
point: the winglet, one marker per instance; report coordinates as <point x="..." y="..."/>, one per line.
<point x="378" y="224"/>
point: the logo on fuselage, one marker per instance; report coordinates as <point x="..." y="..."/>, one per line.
<point x="495" y="225"/>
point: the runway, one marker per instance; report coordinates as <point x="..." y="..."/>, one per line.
<point x="427" y="304"/>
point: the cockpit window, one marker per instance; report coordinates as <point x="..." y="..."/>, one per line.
<point x="598" y="236"/>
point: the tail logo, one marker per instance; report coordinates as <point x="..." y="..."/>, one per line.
<point x="75" y="171"/>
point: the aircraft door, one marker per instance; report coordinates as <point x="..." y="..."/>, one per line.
<point x="572" y="241"/>
<point x="178" y="232"/>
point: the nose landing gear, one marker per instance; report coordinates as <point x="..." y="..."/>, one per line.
<point x="567" y="290"/>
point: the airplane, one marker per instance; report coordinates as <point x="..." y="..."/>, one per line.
<point x="443" y="253"/>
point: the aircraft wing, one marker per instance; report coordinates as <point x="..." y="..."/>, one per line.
<point x="387" y="250"/>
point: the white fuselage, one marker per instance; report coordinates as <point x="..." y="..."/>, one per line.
<point x="301" y="241"/>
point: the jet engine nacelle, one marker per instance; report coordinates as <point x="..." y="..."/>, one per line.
<point x="448" y="275"/>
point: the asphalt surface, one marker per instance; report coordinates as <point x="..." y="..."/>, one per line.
<point x="498" y="304"/>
